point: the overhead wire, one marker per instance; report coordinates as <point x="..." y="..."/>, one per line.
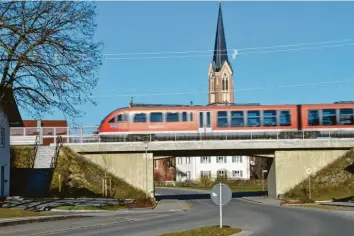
<point x="318" y="84"/>
<point x="233" y="50"/>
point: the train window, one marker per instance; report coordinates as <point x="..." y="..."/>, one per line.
<point x="172" y="117"/>
<point x="141" y="117"/>
<point x="191" y="116"/>
<point x="201" y="121"/>
<point x="346" y="117"/>
<point x="329" y="117"/>
<point x="222" y="119"/>
<point x="120" y="118"/>
<point x="112" y="120"/>
<point x="237" y="119"/>
<point x="253" y="119"/>
<point x="155" y="117"/>
<point x="184" y="116"/>
<point x="270" y="118"/>
<point x="285" y="118"/>
<point x="313" y="118"/>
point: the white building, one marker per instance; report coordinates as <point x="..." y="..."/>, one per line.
<point x="192" y="168"/>
<point x="4" y="155"/>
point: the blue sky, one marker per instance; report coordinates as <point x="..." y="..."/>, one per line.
<point x="139" y="27"/>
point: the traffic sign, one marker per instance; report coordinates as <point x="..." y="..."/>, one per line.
<point x="308" y="171"/>
<point x="221" y="195"/>
<point x="226" y="194"/>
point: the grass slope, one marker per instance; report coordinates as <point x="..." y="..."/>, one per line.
<point x="79" y="176"/>
<point x="332" y="182"/>
<point x="10" y="213"/>
<point x="206" y="231"/>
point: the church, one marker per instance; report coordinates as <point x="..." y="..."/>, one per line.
<point x="220" y="93"/>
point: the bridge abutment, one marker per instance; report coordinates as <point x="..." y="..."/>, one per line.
<point x="135" y="168"/>
<point x="289" y="168"/>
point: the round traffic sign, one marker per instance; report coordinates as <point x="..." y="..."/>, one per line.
<point x="226" y="194"/>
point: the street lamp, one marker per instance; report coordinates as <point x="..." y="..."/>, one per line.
<point x="146" y="168"/>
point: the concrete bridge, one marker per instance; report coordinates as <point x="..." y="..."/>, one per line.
<point x="133" y="161"/>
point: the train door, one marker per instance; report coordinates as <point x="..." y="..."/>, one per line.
<point x="204" y="121"/>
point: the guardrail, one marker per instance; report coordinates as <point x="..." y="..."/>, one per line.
<point x="86" y="135"/>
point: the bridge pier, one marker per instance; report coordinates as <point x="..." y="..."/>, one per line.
<point x="135" y="168"/>
<point x="289" y="168"/>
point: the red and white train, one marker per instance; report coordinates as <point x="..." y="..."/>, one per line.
<point x="237" y="120"/>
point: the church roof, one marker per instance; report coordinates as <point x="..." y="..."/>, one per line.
<point x="220" y="49"/>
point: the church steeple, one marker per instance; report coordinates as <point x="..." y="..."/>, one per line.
<point x="220" y="49"/>
<point x="221" y="85"/>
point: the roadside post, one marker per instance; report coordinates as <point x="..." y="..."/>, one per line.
<point x="263" y="171"/>
<point x="221" y="195"/>
<point x="309" y="171"/>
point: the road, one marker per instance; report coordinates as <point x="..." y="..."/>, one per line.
<point x="257" y="218"/>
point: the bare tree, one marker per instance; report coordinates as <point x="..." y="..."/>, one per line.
<point x="48" y="58"/>
<point x="261" y="163"/>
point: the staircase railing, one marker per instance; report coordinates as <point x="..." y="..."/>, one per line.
<point x="37" y="143"/>
<point x="58" y="145"/>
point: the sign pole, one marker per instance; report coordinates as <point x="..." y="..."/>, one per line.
<point x="310" y="186"/>
<point x="221" y="194"/>
<point x="220" y="206"/>
<point x="309" y="171"/>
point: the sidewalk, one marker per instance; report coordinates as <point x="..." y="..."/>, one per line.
<point x="32" y="219"/>
<point x="263" y="200"/>
<point x="343" y="204"/>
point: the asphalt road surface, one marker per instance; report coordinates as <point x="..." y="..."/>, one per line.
<point x="256" y="218"/>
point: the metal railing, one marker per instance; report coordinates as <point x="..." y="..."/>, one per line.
<point x="58" y="145"/>
<point x="87" y="135"/>
<point x="35" y="148"/>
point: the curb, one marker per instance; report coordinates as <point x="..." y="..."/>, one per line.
<point x="249" y="200"/>
<point x="243" y="233"/>
<point x="17" y="221"/>
<point x="324" y="204"/>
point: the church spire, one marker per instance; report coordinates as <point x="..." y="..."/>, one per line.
<point x="220" y="49"/>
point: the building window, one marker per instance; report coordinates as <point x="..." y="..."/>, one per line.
<point x="205" y="173"/>
<point x="155" y="117"/>
<point x="222" y="119"/>
<point x="204" y="160"/>
<point x="225" y="82"/>
<point x="237" y="159"/>
<point x="179" y="160"/>
<point x="221" y="173"/>
<point x="237" y="173"/>
<point x="188" y="160"/>
<point x="221" y="159"/>
<point x="269" y="118"/>
<point x="188" y="174"/>
<point x="155" y="164"/>
<point x="2" y="137"/>
<point x="212" y="81"/>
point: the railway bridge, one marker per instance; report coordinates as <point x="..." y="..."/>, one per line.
<point x="291" y="157"/>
